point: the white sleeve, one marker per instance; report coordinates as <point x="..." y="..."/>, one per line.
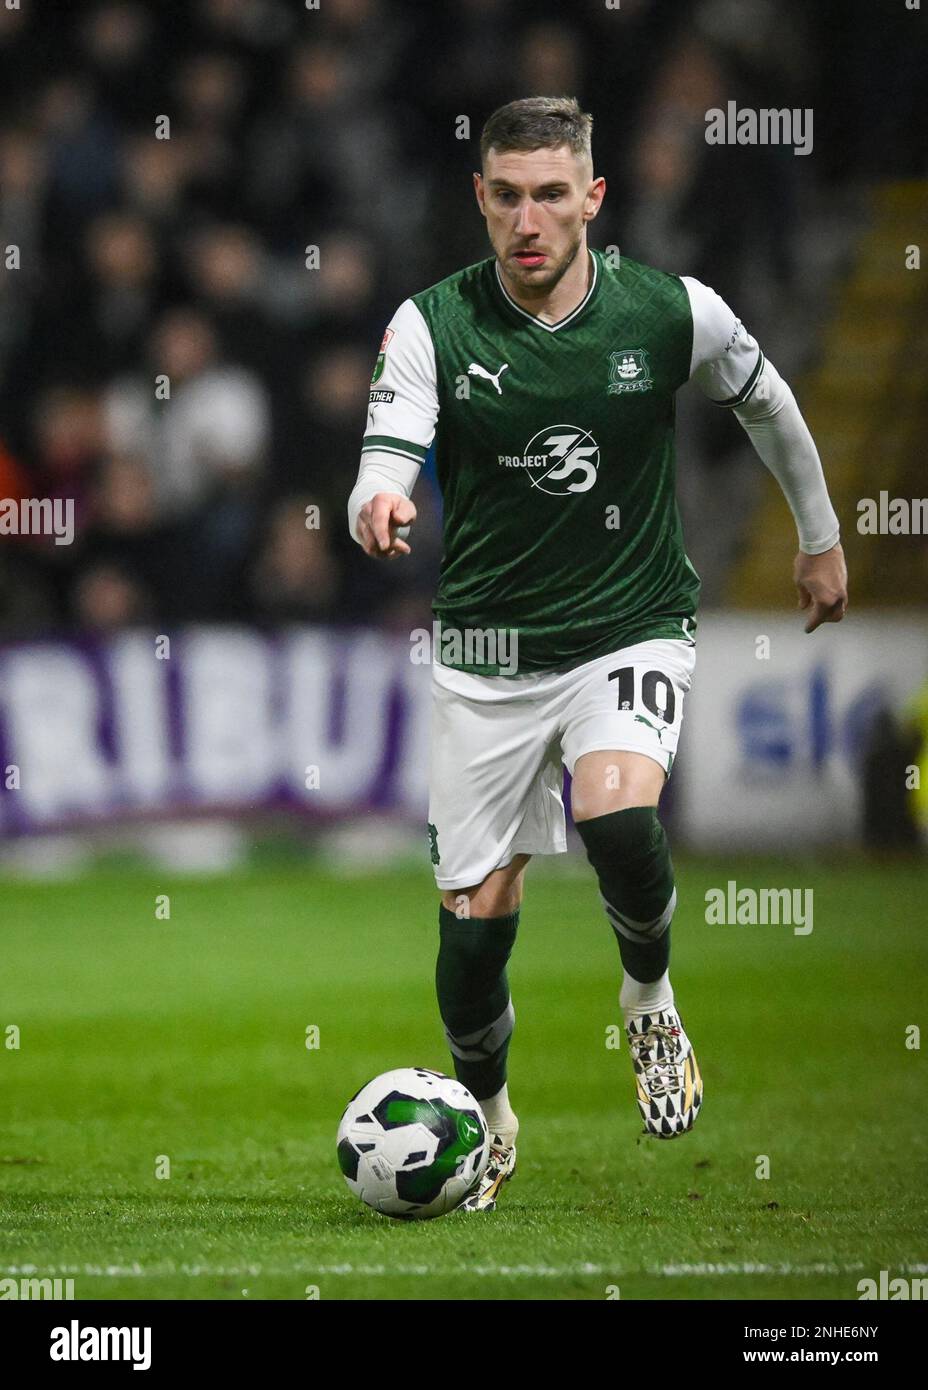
<point x="380" y="472"/>
<point x="730" y="368"/>
<point x="726" y="360"/>
<point x="402" y="412"/>
<point x="781" y="439"/>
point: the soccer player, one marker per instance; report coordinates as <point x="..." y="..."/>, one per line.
<point x="545" y="378"/>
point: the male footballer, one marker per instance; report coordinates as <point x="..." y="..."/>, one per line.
<point x="545" y="378"/>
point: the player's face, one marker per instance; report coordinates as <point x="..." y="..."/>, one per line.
<point x="537" y="204"/>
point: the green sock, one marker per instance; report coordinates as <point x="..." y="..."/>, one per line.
<point x="631" y="856"/>
<point x="473" y="996"/>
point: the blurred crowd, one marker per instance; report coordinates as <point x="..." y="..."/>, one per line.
<point x="176" y="358"/>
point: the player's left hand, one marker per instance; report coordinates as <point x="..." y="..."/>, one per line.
<point x="822" y="584"/>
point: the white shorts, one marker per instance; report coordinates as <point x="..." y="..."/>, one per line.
<point x="498" y="744"/>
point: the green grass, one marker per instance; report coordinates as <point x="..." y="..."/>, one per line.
<point x="185" y="1038"/>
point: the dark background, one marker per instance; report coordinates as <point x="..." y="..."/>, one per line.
<point x="337" y="128"/>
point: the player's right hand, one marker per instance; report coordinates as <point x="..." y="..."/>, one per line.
<point x="822" y="584"/>
<point x="383" y="523"/>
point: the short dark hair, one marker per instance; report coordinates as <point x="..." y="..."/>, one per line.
<point x="535" y="123"/>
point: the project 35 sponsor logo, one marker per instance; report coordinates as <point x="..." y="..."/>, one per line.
<point x="559" y="460"/>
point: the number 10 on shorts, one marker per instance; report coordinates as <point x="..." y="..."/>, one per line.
<point x="657" y="692"/>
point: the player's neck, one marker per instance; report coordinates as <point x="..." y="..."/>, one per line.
<point x="563" y="298"/>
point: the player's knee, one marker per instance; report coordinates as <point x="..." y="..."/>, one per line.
<point x="586" y="803"/>
<point x="628" y="850"/>
<point x="625" y="836"/>
<point x="484" y="900"/>
<point x="497" y="895"/>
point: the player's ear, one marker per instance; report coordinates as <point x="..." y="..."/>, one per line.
<point x="594" y="199"/>
<point x="478" y="190"/>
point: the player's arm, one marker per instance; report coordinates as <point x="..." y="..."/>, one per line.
<point x="380" y="524"/>
<point x="401" y="421"/>
<point x="730" y="368"/>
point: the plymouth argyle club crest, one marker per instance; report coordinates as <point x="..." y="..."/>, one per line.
<point x="629" y="371"/>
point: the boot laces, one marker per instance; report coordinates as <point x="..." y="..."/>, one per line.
<point x="657" y="1052"/>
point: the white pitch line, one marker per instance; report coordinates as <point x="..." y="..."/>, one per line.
<point x="168" y="1269"/>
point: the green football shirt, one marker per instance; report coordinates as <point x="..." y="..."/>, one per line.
<point x="554" y="452"/>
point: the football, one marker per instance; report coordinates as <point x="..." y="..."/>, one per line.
<point x="413" y="1143"/>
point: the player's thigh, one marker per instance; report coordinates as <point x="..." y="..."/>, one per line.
<point x="612" y="780"/>
<point x="621" y="725"/>
<point x="499" y="895"/>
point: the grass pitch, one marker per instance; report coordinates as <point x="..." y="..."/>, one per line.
<point x="142" y="1038"/>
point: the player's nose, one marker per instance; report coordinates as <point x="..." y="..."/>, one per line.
<point x="526" y="224"/>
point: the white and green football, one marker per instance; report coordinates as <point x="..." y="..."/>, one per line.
<point x="413" y="1143"/>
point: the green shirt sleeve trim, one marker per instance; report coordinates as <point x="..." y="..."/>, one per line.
<point x="394" y="446"/>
